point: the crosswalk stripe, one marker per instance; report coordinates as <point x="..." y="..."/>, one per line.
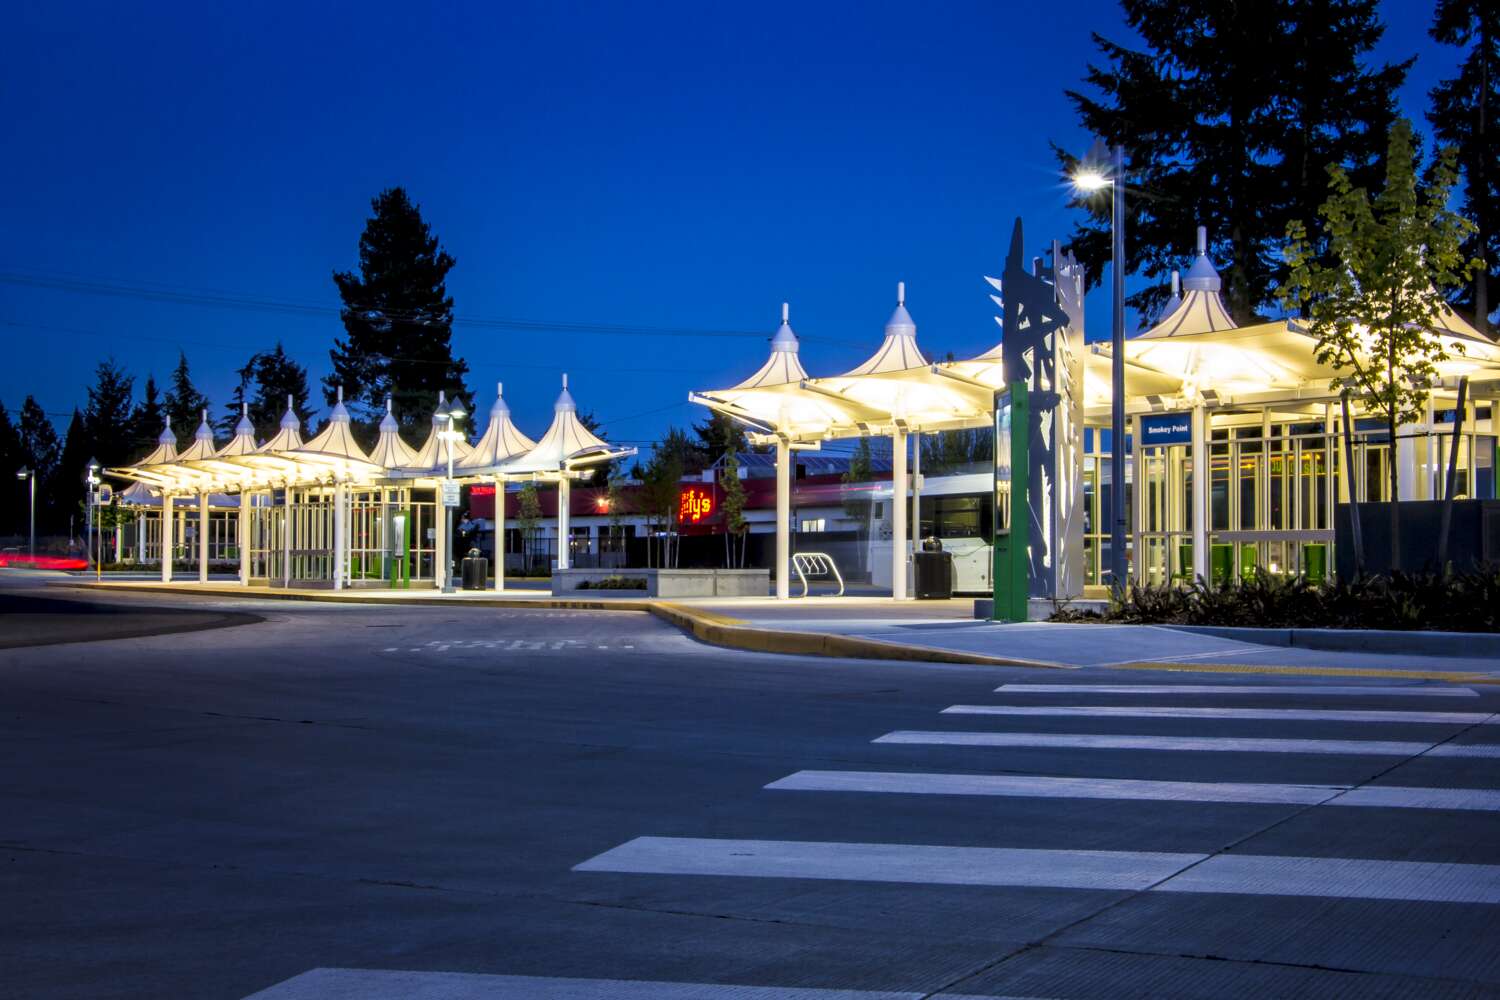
<point x="1022" y="786"/>
<point x="1335" y="878"/>
<point x="1209" y="744"/>
<point x="392" y="984"/>
<point x="1270" y="714"/>
<point x="1130" y="789"/>
<point x="1372" y="690"/>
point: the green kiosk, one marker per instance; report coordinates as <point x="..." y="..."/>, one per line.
<point x="1012" y="586"/>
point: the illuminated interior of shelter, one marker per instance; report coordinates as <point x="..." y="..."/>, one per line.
<point x="324" y="512"/>
<point x="1251" y="404"/>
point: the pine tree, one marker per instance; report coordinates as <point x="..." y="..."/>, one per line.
<point x="184" y="403"/>
<point x="1463" y="113"/>
<point x="265" y="382"/>
<point x="65" y="489"/>
<point x="1372" y="307"/>
<point x="1228" y="118"/>
<point x="106" y="419"/>
<point x="146" y="421"/>
<point x="398" y="320"/>
<point x="13" y="502"/>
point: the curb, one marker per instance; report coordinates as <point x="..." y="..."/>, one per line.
<point x="705" y="626"/>
<point x="1332" y="640"/>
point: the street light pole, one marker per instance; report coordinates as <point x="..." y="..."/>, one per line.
<point x="30" y="477"/>
<point x="450" y="417"/>
<point x="92" y="480"/>
<point x="1117" y="380"/>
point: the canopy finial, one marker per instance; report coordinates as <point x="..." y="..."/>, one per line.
<point x="1202" y="239"/>
<point x="289" y="402"/>
<point x="499" y="388"/>
<point x="565" y="380"/>
<point x="244" y="408"/>
<point x="388" y="403"/>
<point x="900" y="293"/>
<point x="786" y="312"/>
<point x="341" y="394"/>
<point x="1176" y="282"/>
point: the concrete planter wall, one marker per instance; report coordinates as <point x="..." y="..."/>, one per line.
<point x="666" y="582"/>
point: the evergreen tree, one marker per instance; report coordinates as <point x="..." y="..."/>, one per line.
<point x="1228" y="117"/>
<point x="65" y="489"/>
<point x="265" y="382"/>
<point x="107" y="418"/>
<point x="40" y="449"/>
<point x="1372" y="307"/>
<point x="13" y="502"/>
<point x="716" y="436"/>
<point x="1462" y="115"/>
<point x="184" y="403"/>
<point x="146" y="421"/>
<point x="398" y="320"/>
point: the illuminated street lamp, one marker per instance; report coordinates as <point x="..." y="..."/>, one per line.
<point x="91" y="477"/>
<point x="1103" y="168"/>
<point x="27" y="474"/>
<point x="450" y="433"/>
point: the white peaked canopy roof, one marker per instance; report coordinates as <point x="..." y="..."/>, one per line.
<point x="1200" y="309"/>
<point x="434" y="451"/>
<point x="567" y="443"/>
<point x="900" y="383"/>
<point x="502" y="440"/>
<point x="243" y="442"/>
<point x="774" y="399"/>
<point x="165" y="450"/>
<point x="390" y="452"/>
<point x="203" y="443"/>
<point x="288" y="436"/>
<point x="334" y="447"/>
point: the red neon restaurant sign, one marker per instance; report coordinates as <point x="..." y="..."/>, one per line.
<point x="695" y="504"/>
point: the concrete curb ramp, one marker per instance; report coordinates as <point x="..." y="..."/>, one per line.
<point x="705" y="626"/>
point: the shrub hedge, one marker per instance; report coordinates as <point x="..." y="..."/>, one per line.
<point x="1467" y="601"/>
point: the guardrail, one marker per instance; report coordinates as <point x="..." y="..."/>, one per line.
<point x="816" y="564"/>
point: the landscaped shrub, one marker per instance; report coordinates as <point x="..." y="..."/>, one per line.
<point x="615" y="583"/>
<point x="1467" y="601"/>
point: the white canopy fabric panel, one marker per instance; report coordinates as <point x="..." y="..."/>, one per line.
<point x="434" y="451"/>
<point x="566" y="445"/>
<point x="502" y="440"/>
<point x="390" y="452"/>
<point x="288" y="436"/>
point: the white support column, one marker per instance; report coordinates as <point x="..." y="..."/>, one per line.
<point x="564" y="527"/>
<point x="898" y="515"/>
<point x="167" y="523"/>
<point x="1201" y="473"/>
<point x="340" y="536"/>
<point x="783" y="516"/>
<point x="286" y="538"/>
<point x="202" y="537"/>
<point x="499" y="532"/>
<point x="244" y="538"/>
<point x="140" y="538"/>
<point x="1136" y="566"/>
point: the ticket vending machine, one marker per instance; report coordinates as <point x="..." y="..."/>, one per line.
<point x="1012" y="588"/>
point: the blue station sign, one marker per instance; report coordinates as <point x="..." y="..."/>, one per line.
<point x="1160" y="429"/>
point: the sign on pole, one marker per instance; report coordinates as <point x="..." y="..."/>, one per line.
<point x="450" y="494"/>
<point x="1011" y="578"/>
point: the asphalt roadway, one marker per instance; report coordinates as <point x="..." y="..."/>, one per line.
<point x="381" y="802"/>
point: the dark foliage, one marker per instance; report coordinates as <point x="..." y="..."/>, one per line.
<point x="1466" y="601"/>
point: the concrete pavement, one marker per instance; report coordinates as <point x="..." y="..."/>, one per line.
<point x="396" y="801"/>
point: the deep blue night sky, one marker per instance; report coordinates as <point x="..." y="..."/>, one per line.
<point x="679" y="165"/>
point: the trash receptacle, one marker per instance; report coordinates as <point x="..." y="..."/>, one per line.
<point x="934" y="575"/>
<point x="476" y="570"/>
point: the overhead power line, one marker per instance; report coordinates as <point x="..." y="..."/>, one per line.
<point x="156" y="292"/>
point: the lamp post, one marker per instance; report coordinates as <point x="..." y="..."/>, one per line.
<point x="450" y="418"/>
<point x="1098" y="170"/>
<point x="27" y="474"/>
<point x="91" y="477"/>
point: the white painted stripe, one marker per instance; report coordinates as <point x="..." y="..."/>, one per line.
<point x="1175" y="712"/>
<point x="1129" y="789"/>
<point x="1054" y="788"/>
<point x="1207" y="744"/>
<point x="1373" y="690"/>
<point x="905" y="863"/>
<point x="1337" y="878"/>
<point x="1340" y="878"/>
<point x="390" y="984"/>
<point x="1390" y="796"/>
<point x="1465" y="750"/>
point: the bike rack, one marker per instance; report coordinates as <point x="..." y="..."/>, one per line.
<point x="816" y="564"/>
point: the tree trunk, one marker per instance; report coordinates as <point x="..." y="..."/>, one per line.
<point x="1393" y="465"/>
